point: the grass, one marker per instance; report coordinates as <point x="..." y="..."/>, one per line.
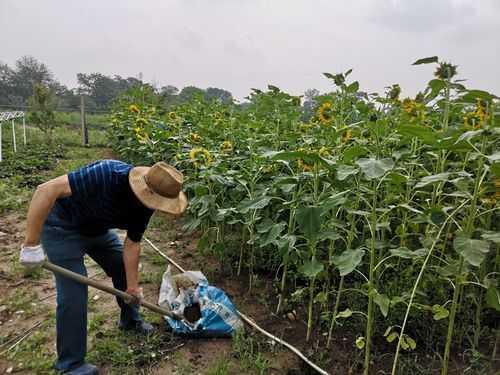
<point x="37" y="162"/>
<point x="248" y="352"/>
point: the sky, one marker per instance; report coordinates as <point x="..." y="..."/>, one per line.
<point x="242" y="44"/>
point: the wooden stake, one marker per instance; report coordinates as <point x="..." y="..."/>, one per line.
<point x="85" y="133"/>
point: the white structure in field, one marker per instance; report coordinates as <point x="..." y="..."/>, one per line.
<point x="12" y="116"/>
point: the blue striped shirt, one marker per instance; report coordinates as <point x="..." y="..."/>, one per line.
<point x="101" y="199"/>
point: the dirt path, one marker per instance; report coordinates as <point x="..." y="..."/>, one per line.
<point x="28" y="300"/>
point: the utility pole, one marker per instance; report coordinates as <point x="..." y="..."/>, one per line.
<point x="85" y="132"/>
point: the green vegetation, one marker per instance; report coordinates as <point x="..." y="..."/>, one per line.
<point x="378" y="214"/>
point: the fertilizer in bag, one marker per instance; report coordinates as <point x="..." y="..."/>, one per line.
<point x="206" y="311"/>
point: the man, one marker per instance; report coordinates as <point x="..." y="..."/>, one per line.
<point x="73" y="215"/>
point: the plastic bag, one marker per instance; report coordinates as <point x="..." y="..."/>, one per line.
<point x="219" y="316"/>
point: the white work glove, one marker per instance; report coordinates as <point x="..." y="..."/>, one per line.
<point x="32" y="256"/>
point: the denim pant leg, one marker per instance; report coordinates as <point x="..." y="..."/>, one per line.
<point x="107" y="251"/>
<point x="65" y="248"/>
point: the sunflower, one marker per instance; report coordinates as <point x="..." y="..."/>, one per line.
<point x="476" y="118"/>
<point x="200" y="156"/>
<point x="346" y="136"/>
<point x="195" y="137"/>
<point x="301" y="164"/>
<point x="323" y="152"/>
<point x="140" y="134"/>
<point x="141" y="121"/>
<point x="172" y="116"/>
<point x="133" y="108"/>
<point x="325" y="112"/>
<point x="445" y="70"/>
<point x="226" y="147"/>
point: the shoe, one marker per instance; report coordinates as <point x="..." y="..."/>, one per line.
<point x="85" y="369"/>
<point x="137" y="326"/>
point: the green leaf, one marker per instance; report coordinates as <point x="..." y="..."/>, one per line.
<point x="375" y="168"/>
<point x="493" y="298"/>
<point x="344" y="171"/>
<point x="393" y="336"/>
<point x="436" y="86"/>
<point x="353" y="87"/>
<point x="348" y="260"/>
<point x="360" y="343"/>
<point x="271" y="235"/>
<point x="311" y="268"/>
<point x="494" y="157"/>
<point x="309" y="220"/>
<point x="382" y="302"/>
<point x="495" y="169"/>
<point x="439" y="312"/>
<point x="423" y="133"/>
<point x="352" y="152"/>
<point x="404" y="344"/>
<point x="191" y="225"/>
<point x="473" y="251"/>
<point x="472" y="95"/>
<point x="344" y="314"/>
<point x="440" y="177"/>
<point x="467" y="136"/>
<point x="492" y="236"/>
<point x="411" y="343"/>
<point x="405" y="253"/>
<point x="253" y="204"/>
<point x="321" y="297"/>
<point x="426" y="60"/>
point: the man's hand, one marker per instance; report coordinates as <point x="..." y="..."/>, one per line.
<point x="136" y="294"/>
<point x="32" y="256"/>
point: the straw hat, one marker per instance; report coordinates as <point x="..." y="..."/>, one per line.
<point x="159" y="187"/>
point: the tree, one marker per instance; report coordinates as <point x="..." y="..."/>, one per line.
<point x="309" y="103"/>
<point x="190" y="92"/>
<point x="42" y="105"/>
<point x="102" y="90"/>
<point x="28" y="71"/>
<point x="224" y="96"/>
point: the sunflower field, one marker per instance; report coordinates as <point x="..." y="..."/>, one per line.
<point x="373" y="213"/>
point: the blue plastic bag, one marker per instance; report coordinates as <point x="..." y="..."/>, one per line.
<point x="219" y="317"/>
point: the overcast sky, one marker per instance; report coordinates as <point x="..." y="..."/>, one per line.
<point x="239" y="44"/>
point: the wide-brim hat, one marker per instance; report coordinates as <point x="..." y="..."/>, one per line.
<point x="159" y="188"/>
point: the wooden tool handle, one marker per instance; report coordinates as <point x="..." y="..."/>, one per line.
<point x="105" y="288"/>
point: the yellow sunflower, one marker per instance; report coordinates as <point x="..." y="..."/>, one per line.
<point x="226" y="147"/>
<point x="195" y="137"/>
<point x="172" y="116"/>
<point x="141" y="121"/>
<point x="323" y="152"/>
<point x="133" y="108"/>
<point x="346" y="136"/>
<point x="301" y="164"/>
<point x="200" y="156"/>
<point x="325" y="112"/>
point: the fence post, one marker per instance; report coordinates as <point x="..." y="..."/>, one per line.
<point x="85" y="133"/>
<point x="24" y="128"/>
<point x="14" y="136"/>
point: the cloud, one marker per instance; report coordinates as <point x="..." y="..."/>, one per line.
<point x="416" y="16"/>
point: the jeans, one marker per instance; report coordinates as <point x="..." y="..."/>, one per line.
<point x="66" y="247"/>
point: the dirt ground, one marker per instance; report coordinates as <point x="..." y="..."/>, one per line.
<point x="28" y="303"/>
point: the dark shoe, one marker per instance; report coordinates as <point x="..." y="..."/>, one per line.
<point x="85" y="369"/>
<point x="137" y="326"/>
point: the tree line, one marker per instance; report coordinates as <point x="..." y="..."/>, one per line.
<point x="18" y="83"/>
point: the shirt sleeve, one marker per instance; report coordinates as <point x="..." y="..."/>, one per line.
<point x="138" y="226"/>
<point x="89" y="180"/>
